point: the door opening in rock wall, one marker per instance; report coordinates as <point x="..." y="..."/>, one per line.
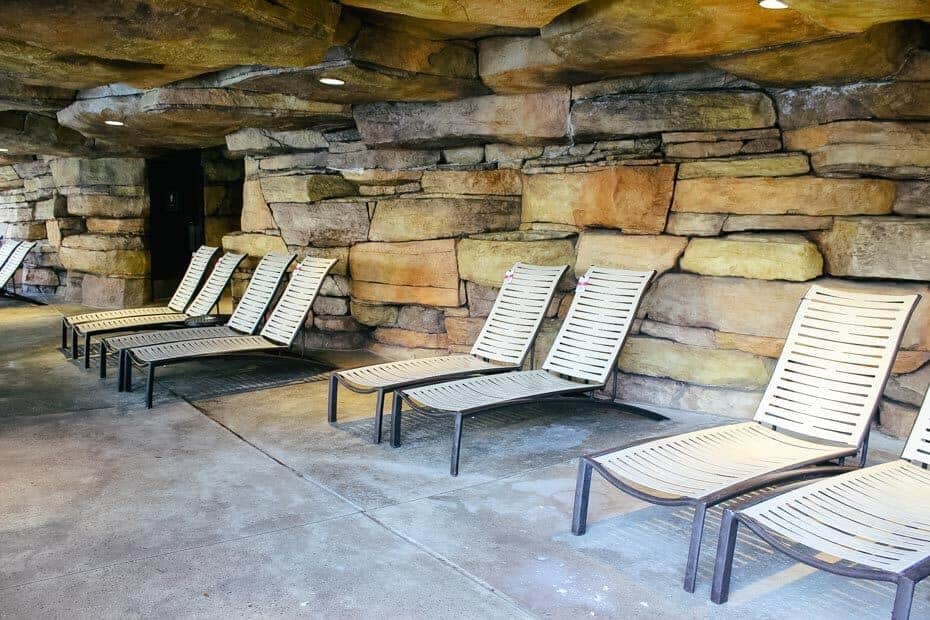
<point x="176" y="227"/>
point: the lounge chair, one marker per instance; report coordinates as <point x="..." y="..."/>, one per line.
<point x="816" y="409"/>
<point x="874" y="522"/>
<point x="581" y="358"/>
<point x="203" y="304"/>
<point x="278" y="333"/>
<point x="502" y="345"/>
<point x="12" y="255"/>
<point x="182" y="298"/>
<point x="244" y="320"/>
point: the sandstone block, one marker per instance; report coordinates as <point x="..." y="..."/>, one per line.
<point x="757" y="345"/>
<point x="103" y="205"/>
<point x="419" y="319"/>
<point x="305" y="188"/>
<point x="382" y="177"/>
<point x="896" y="419"/>
<point x="254" y="141"/>
<point x="340" y="268"/>
<point x="630" y="114"/>
<point x="694" y="336"/>
<point x="885" y="247"/>
<point x="634" y="252"/>
<point x="26" y="231"/>
<point x="714" y="367"/>
<point x="913" y="198"/>
<point x="130" y="226"/>
<point x="415" y="272"/>
<point x="336" y="323"/>
<point x="16" y="213"/>
<point x="633" y="198"/>
<point x="76" y="171"/>
<point x="403" y="294"/>
<point x="56" y="230"/>
<point x="765" y="257"/>
<point x="784" y="195"/>
<point x="333" y="306"/>
<point x="670" y="393"/>
<point x="463" y="330"/>
<point x="739" y="223"/>
<point x="253" y="244"/>
<point x="410" y="339"/>
<point x="324" y="224"/>
<point x="33" y="276"/>
<point x="695" y="224"/>
<point x="432" y="217"/>
<point x="131" y="263"/>
<point x="50" y="208"/>
<point x="818" y="105"/>
<point x="99" y="242"/>
<point x="516" y="119"/>
<point x="106" y="292"/>
<point x="787" y="164"/>
<point x="484" y="259"/>
<point x="374" y="315"/>
<point x="493" y="182"/>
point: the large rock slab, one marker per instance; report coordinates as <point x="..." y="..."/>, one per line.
<point x="695" y="224"/>
<point x="108" y="292"/>
<point x="887" y="149"/>
<point x="740" y="223"/>
<point x="79" y="171"/>
<point x="492" y="182"/>
<point x="517" y="119"/>
<point x="635" y="199"/>
<point x="416" y="272"/>
<point x="780" y="165"/>
<point x="253" y="244"/>
<point x="114" y="41"/>
<point x="193" y="117"/>
<point x="256" y="215"/>
<point x="111" y="262"/>
<point x="785" y="195"/>
<point x="104" y="205"/>
<point x="435" y="217"/>
<point x="305" y="188"/>
<point x="878" y="247"/>
<point x="28" y="133"/>
<point x="870" y="100"/>
<point x="765" y="257"/>
<point x="634" y="252"/>
<point x="631" y="114"/>
<point x="476" y="11"/>
<point x="251" y="141"/>
<point x="715" y="367"/>
<point x="331" y="223"/>
<point x="484" y="259"/>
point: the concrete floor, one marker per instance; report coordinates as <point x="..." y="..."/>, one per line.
<point x="219" y="503"/>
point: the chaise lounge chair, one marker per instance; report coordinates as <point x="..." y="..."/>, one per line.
<point x="244" y="320"/>
<point x="182" y="298"/>
<point x="502" y="345"/>
<point x="581" y="358"/>
<point x="12" y="255"/>
<point x="816" y="409"/>
<point x="279" y="332"/>
<point x="874" y="521"/>
<point x="203" y="304"/>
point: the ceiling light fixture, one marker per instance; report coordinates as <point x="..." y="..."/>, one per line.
<point x="114" y="123"/>
<point x="772" y="4"/>
<point x="4" y="150"/>
<point x="332" y="81"/>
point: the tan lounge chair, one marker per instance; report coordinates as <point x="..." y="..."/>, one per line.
<point x="12" y="255"/>
<point x="182" y="298"/>
<point x="244" y="320"/>
<point x="502" y="345"/>
<point x="581" y="358"/>
<point x="203" y="304"/>
<point x="278" y="334"/>
<point x="816" y="409"/>
<point x="874" y="522"/>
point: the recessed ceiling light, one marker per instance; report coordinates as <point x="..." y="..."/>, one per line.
<point x="772" y="4"/>
<point x="332" y="81"/>
<point x="114" y="123"/>
<point x="4" y="150"/>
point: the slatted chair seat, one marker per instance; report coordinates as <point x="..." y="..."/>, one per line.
<point x="582" y="356"/>
<point x="279" y="332"/>
<point x="481" y="393"/>
<point x="181" y="299"/>
<point x="503" y="343"/>
<point x="699" y="464"/>
<point x="244" y="320"/>
<point x="872" y="523"/>
<point x="816" y="409"/>
<point x="203" y="304"/>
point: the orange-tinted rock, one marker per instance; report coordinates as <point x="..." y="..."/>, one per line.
<point x="420" y="272"/>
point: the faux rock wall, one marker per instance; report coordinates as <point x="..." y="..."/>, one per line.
<point x="740" y="197"/>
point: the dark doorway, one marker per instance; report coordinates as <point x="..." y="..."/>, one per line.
<point x="176" y="226"/>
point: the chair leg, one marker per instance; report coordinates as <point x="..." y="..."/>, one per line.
<point x="127" y="371"/>
<point x="121" y="371"/>
<point x="331" y="403"/>
<point x="456" y="446"/>
<point x="903" y="597"/>
<point x="64" y="334"/>
<point x="694" y="552"/>
<point x="582" y="493"/>
<point x="103" y="360"/>
<point x="149" y="386"/>
<point x="86" y="351"/>
<point x="723" y="564"/>
<point x="379" y="417"/>
<point x="74" y="340"/>
<point x="396" y="405"/>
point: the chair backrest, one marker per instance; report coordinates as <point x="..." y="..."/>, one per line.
<point x="186" y="290"/>
<point x="291" y="310"/>
<point x="598" y="322"/>
<point x="213" y="288"/>
<point x="917" y="447"/>
<point x="6" y="250"/>
<point x="835" y="363"/>
<point x="13" y="261"/>
<point x="260" y="292"/>
<point x="517" y="313"/>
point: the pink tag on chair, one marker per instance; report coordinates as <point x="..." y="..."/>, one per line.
<point x="582" y="283"/>
<point x="508" y="276"/>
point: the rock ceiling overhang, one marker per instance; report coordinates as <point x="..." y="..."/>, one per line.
<point x="189" y="72"/>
